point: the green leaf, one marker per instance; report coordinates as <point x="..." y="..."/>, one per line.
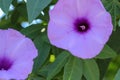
<point x="56" y="50"/>
<point x="103" y="67"/>
<point x="32" y="31"/>
<point x="43" y="47"/>
<point x="117" y="76"/>
<point x="119" y="23"/>
<point x="113" y="67"/>
<point x="45" y="17"/>
<point x="44" y="70"/>
<point x="114" y="41"/>
<point x="73" y="69"/>
<point x="4" y="5"/>
<point x="113" y="6"/>
<point x="34" y="8"/>
<point x="58" y="64"/>
<point x="19" y="14"/>
<point x="91" y="70"/>
<point x="107" y="52"/>
<point x="34" y="77"/>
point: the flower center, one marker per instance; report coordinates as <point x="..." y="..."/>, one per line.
<point x="5" y="63"/>
<point x="81" y="25"/>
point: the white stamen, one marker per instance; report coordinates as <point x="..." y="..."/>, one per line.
<point x="43" y="30"/>
<point x="82" y="27"/>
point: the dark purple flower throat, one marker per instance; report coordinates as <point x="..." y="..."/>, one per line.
<point x="5" y="63"/>
<point x="81" y="25"/>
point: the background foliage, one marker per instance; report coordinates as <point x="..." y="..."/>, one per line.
<point x="31" y="19"/>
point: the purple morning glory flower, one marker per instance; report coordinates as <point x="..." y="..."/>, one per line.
<point x="16" y="55"/>
<point x="80" y="26"/>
